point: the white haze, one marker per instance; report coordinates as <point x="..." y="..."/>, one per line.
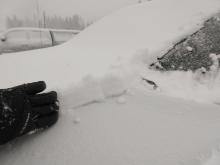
<point x="89" y="9"/>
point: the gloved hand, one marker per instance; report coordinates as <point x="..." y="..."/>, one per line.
<point x="23" y="110"/>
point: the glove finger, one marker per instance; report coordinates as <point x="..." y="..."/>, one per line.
<point x="35" y="87"/>
<point x="43" y="99"/>
<point x="47" y="121"/>
<point x="46" y="109"/>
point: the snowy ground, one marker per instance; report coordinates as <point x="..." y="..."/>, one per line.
<point x="108" y="115"/>
<point x="139" y="127"/>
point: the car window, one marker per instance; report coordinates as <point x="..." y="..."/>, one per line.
<point x="193" y="52"/>
<point x="62" y="36"/>
<point x="16" y="36"/>
<point x="38" y="36"/>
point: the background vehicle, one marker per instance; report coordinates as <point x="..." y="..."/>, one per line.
<point x="21" y="39"/>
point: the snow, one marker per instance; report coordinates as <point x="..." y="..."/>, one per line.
<point x="108" y="116"/>
<point x="149" y="128"/>
<point x="189" y="48"/>
<point x="109" y="46"/>
<point x="213" y="159"/>
<point x="107" y="43"/>
<point x="187" y="85"/>
<point x="121" y="100"/>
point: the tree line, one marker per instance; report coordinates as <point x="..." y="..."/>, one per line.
<point x="57" y="22"/>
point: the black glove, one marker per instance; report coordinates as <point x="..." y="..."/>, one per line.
<point x="23" y="110"/>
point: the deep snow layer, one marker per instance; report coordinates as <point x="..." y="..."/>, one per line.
<point x="138" y="128"/>
<point x="108" y="47"/>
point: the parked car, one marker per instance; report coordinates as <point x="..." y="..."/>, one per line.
<point x="21" y="39"/>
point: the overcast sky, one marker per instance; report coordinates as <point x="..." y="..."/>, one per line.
<point x="88" y="9"/>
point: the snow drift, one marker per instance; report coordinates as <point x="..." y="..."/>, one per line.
<point x="110" y="44"/>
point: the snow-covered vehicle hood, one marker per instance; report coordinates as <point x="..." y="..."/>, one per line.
<point x="152" y="26"/>
<point x="132" y="124"/>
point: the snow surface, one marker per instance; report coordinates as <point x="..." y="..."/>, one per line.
<point x="110" y="42"/>
<point x="148" y="129"/>
<point x="108" y="115"/>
